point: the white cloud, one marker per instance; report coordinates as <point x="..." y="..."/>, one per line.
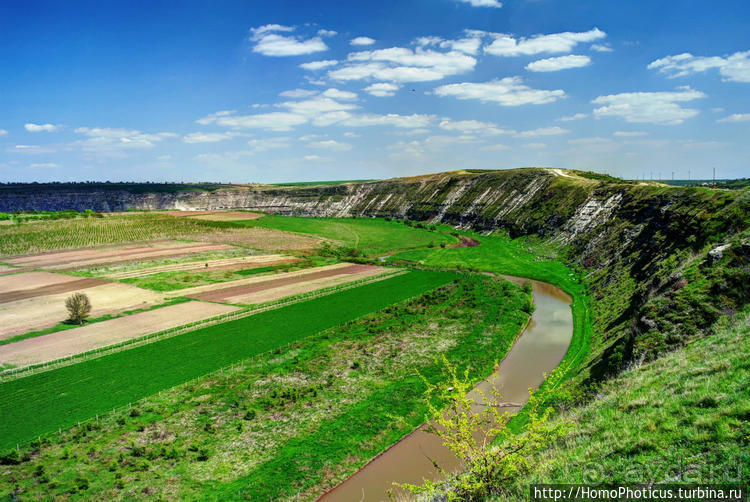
<point x="382" y="89"/>
<point x="559" y="63"/>
<point x="510" y="91"/>
<point x="318" y="65"/>
<point x="362" y="41"/>
<point x="472" y="127"/>
<point x="628" y="134"/>
<point x="263" y="145"/>
<point x="733" y="68"/>
<point x="298" y="93"/>
<point x="400" y="64"/>
<point x="570" y="118"/>
<point x="542" y="131"/>
<point x="483" y="3"/>
<point x="315" y="158"/>
<point x="507" y="45"/>
<point x="495" y="148"/>
<point x="316" y="107"/>
<point x="34" y="149"/>
<point x="207" y="137"/>
<point x="737" y="117"/>
<point x="601" y="48"/>
<point x="534" y="145"/>
<point x="327" y="33"/>
<point x="3" y="132"/>
<point x="338" y="94"/>
<point x="269" y="43"/>
<point x="331" y="145"/>
<point x="350" y="134"/>
<point x="103" y="139"/>
<point x="273" y="121"/>
<point x="44" y="165"/>
<point x="648" y="107"/>
<point x="413" y="121"/>
<point x="42" y="127"/>
<point x="467" y="45"/>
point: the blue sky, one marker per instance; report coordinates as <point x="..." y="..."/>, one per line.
<point x="299" y="90"/>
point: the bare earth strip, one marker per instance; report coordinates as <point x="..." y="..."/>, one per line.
<point x="348" y="273"/>
<point x="218" y="264"/>
<point x="254" y="280"/>
<point x="228" y="216"/>
<point x="101" y="334"/>
<point x="32" y="280"/>
<point x="88" y="257"/>
<point x="260" y="238"/>
<point x="6" y="268"/>
<point x="42" y="312"/>
<point x="65" y="287"/>
<point x="272" y="294"/>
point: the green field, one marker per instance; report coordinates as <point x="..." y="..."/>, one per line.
<point x="371" y="236"/>
<point x="298" y="419"/>
<point x="44" y="402"/>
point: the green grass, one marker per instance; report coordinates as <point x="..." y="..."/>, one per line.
<point x="370" y="235"/>
<point x="531" y="259"/>
<point x="298" y="419"/>
<point x="682" y="418"/>
<point x="41" y="403"/>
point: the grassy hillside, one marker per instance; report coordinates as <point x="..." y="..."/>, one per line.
<point x="682" y="418"/>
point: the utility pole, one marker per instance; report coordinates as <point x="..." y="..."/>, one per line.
<point x="672" y="175"/>
<point x="688" y="174"/>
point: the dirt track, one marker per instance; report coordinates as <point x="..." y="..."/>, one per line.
<point x="101" y="334"/>
<point x="207" y="265"/>
<point x="281" y="280"/>
<point x="63" y="287"/>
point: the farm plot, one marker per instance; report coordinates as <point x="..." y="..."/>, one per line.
<point x="98" y="256"/>
<point x="227" y="216"/>
<point x="282" y="286"/>
<point x="43" y="402"/>
<point x="40" y="312"/>
<point x="207" y="265"/>
<point x="5" y="269"/>
<point x="101" y="334"/>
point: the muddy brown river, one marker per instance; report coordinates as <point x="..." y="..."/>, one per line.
<point x="538" y="350"/>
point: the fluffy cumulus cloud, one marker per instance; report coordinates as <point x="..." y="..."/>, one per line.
<point x="400" y="64"/>
<point x="649" y="107"/>
<point x="3" y="132"/>
<point x="42" y="127"/>
<point x="106" y="137"/>
<point x="483" y="3"/>
<point x="509" y="91"/>
<point x="207" y="137"/>
<point x="298" y="93"/>
<point x="733" y="68"/>
<point x="570" y="118"/>
<point x="331" y="144"/>
<point x="318" y="65"/>
<point x="628" y="134"/>
<point x="508" y="45"/>
<point x="362" y="41"/>
<point x="542" y="131"/>
<point x="472" y="127"/>
<point x="470" y="44"/>
<point x="273" y="121"/>
<point x="737" y="117"/>
<point x="413" y="121"/>
<point x="559" y="63"/>
<point x="382" y="89"/>
<point x="269" y="41"/>
<point x="338" y="94"/>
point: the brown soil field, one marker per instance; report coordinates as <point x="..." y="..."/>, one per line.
<point x="264" y="239"/>
<point x="40" y="312"/>
<point x="101" y="334"/>
<point x="207" y="265"/>
<point x="348" y="273"/>
<point x="97" y="256"/>
<point x="32" y="280"/>
<point x="253" y="280"/>
<point x="303" y="287"/>
<point x="7" y="268"/>
<point x="64" y="287"/>
<point x="227" y="216"/>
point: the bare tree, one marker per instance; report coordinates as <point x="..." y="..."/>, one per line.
<point x="78" y="306"/>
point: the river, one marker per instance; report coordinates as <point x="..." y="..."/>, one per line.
<point x="538" y="350"/>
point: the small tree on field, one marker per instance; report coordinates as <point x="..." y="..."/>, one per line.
<point x="78" y="306"/>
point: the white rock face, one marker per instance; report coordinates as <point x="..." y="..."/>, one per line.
<point x="589" y="215"/>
